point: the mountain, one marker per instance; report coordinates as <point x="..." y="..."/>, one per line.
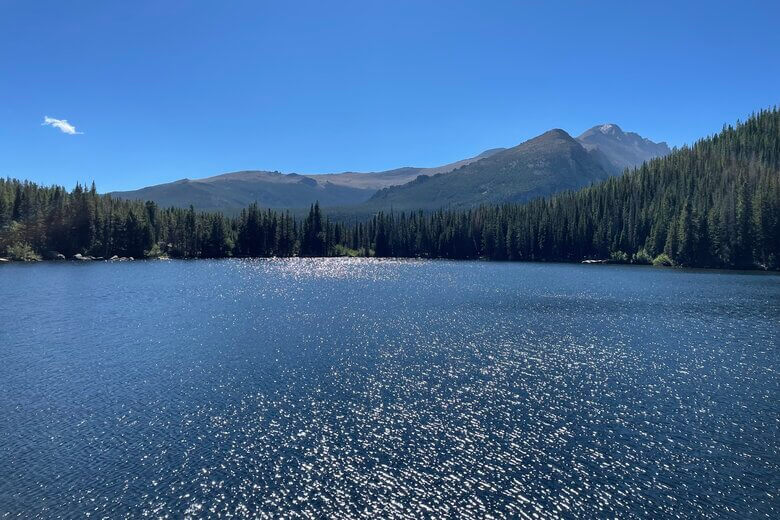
<point x="378" y="180"/>
<point x="622" y="149"/>
<point x="549" y="163"/>
<point x="231" y="192"/>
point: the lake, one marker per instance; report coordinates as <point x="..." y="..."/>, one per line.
<point x="374" y="388"/>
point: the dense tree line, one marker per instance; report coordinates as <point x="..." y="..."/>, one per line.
<point x="715" y="204"/>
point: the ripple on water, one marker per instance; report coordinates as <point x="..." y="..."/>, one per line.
<point x="352" y="388"/>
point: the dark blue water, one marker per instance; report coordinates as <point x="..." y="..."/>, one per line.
<point x="362" y="388"/>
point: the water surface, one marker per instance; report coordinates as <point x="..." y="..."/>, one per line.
<point x="368" y="388"/>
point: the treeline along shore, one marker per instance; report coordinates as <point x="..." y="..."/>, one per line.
<point x="714" y="204"/>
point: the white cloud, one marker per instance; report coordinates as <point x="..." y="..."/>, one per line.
<point x="62" y="124"/>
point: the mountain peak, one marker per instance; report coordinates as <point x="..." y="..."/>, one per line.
<point x="556" y="132"/>
<point x="548" y="163"/>
<point x="621" y="149"/>
<point x="549" y="135"/>
<point x="610" y="129"/>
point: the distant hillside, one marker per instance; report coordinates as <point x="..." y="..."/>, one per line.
<point x="231" y="192"/>
<point x="549" y="163"/>
<point x="378" y="180"/>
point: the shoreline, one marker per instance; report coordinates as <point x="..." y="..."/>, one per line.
<point x="594" y="263"/>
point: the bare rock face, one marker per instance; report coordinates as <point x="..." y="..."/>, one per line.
<point x="622" y="149"/>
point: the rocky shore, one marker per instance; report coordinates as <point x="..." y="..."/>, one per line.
<point x="78" y="257"/>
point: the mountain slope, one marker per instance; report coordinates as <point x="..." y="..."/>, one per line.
<point x="231" y="192"/>
<point x="551" y="162"/>
<point x="378" y="180"/>
<point x="622" y="149"/>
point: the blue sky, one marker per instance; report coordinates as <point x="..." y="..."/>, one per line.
<point x="166" y="90"/>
